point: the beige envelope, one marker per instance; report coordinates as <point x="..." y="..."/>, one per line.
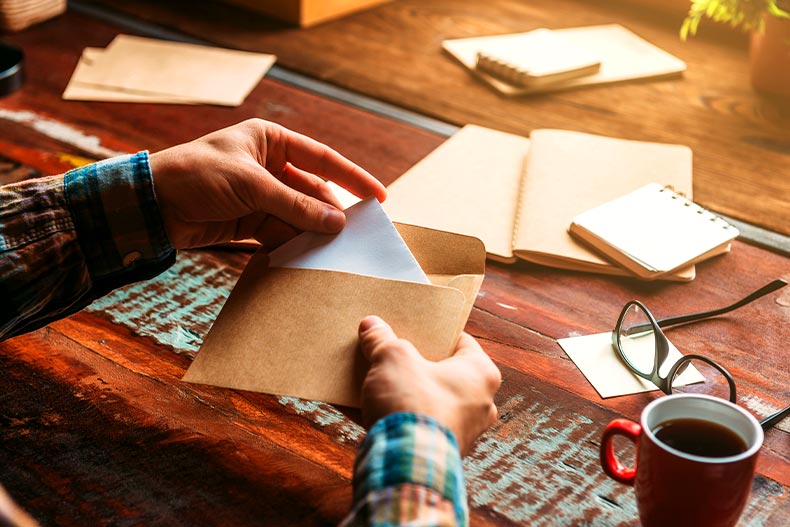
<point x="294" y="331"/>
<point x="174" y="71"/>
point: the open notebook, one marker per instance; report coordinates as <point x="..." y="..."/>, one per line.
<point x="520" y="194"/>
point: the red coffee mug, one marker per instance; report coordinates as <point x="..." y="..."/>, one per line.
<point x="674" y="488"/>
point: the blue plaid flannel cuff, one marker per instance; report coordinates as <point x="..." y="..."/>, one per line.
<point x="405" y="448"/>
<point x="117" y="219"/>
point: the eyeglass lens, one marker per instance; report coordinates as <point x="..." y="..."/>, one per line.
<point x="638" y="343"/>
<point x="637" y="339"/>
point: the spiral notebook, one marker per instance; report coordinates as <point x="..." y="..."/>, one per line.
<point x="538" y="57"/>
<point x="653" y="231"/>
<point x="623" y="56"/>
<point x="518" y="195"/>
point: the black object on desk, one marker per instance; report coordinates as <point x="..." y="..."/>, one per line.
<point x="11" y="71"/>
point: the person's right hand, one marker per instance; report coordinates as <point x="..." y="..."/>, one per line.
<point x="458" y="391"/>
<point x="254" y="179"/>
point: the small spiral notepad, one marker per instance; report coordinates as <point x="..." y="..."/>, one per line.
<point x="653" y="231"/>
<point x="536" y="58"/>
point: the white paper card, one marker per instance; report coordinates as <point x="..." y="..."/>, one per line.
<point x="346" y="198"/>
<point x="368" y="245"/>
<point x="624" y="56"/>
<point x="598" y="361"/>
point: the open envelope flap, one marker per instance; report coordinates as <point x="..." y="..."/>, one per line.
<point x="444" y="253"/>
<point x="452" y="260"/>
<point x="294" y="331"/>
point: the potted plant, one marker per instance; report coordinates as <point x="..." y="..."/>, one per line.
<point x="769" y="24"/>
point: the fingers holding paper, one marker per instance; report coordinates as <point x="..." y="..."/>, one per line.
<point x="257" y="179"/>
<point x="458" y="391"/>
<point x="289" y="147"/>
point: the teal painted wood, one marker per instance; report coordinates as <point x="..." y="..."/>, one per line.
<point x="539" y="465"/>
<point x="178" y="307"/>
<point x="326" y="417"/>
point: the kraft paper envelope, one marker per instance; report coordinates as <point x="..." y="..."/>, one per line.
<point x="77" y="91"/>
<point x="174" y="70"/>
<point x="294" y="331"/>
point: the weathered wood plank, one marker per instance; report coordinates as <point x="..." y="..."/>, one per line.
<point x="93" y="441"/>
<point x="523" y="318"/>
<point x="52" y="135"/>
<point x="96" y="427"/>
<point x="741" y="140"/>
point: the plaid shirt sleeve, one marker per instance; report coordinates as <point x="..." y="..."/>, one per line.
<point x="408" y="471"/>
<point x="67" y="240"/>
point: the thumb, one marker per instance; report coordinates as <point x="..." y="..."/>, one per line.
<point x="468" y="347"/>
<point x="374" y="333"/>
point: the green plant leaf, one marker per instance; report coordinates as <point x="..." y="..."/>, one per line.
<point x="747" y="15"/>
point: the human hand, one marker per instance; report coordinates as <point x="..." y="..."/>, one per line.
<point x="254" y="179"/>
<point x="458" y="391"/>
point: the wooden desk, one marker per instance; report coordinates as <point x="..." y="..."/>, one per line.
<point x="97" y="429"/>
<point x="741" y="140"/>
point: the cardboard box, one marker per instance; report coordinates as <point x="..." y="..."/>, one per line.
<point x="306" y="12"/>
<point x="16" y="15"/>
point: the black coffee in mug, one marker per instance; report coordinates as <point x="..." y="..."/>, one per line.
<point x="699" y="437"/>
<point x="687" y="484"/>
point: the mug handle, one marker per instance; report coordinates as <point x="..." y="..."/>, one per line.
<point x="613" y="468"/>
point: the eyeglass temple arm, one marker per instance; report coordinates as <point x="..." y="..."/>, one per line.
<point x="773" y="286"/>
<point x="773" y="419"/>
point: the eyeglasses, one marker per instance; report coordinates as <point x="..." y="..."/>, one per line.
<point x="642" y="346"/>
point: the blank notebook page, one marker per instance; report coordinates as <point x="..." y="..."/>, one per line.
<point x="657" y="228"/>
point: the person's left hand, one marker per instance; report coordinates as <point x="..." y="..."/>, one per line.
<point x="253" y="180"/>
<point x="457" y="391"/>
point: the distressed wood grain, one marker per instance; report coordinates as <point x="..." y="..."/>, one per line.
<point x="96" y="427"/>
<point x="95" y="416"/>
<point x="740" y="139"/>
<point x="53" y="135"/>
